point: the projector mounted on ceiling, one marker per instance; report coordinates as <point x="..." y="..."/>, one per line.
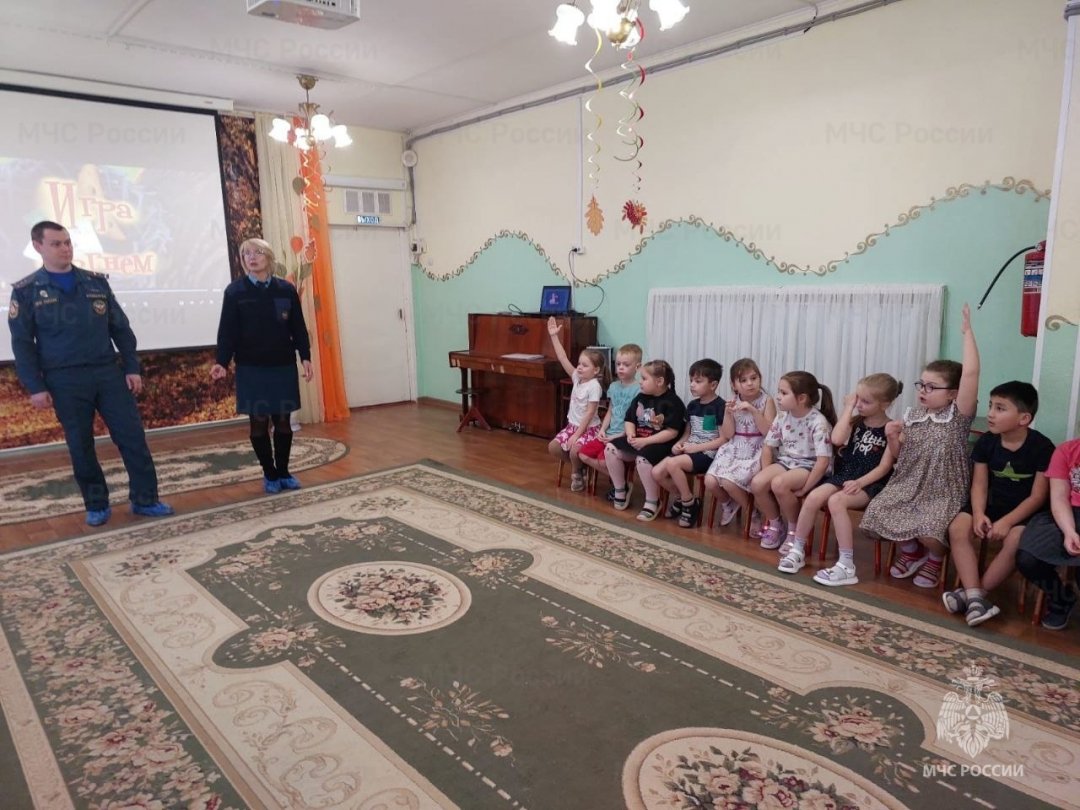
<point x="327" y="14"/>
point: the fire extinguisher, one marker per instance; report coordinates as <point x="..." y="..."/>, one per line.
<point x="1032" y="291"/>
<point x="1032" y="296"/>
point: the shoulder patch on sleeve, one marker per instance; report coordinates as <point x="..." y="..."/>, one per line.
<point x="13" y="309"/>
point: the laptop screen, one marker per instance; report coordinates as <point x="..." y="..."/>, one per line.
<point x="555" y="300"/>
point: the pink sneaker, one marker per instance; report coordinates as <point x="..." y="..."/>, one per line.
<point x="772" y="536"/>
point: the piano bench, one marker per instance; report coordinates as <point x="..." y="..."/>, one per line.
<point x="470" y="400"/>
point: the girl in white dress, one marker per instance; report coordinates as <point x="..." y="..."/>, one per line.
<point x="747" y="419"/>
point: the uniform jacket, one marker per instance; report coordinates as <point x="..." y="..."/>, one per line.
<point x="262" y="326"/>
<point x="51" y="329"/>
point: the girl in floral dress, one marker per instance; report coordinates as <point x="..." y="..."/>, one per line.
<point x="798" y="453"/>
<point x="747" y="418"/>
<point x="932" y="476"/>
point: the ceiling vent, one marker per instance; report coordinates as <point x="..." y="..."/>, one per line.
<point x="328" y="14"/>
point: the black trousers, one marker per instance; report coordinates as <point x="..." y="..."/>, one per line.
<point x="77" y="394"/>
<point x="1045" y="577"/>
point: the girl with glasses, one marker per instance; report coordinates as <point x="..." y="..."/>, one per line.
<point x="932" y="475"/>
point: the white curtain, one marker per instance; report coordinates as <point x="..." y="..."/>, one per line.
<point x="283" y="218"/>
<point x="838" y="334"/>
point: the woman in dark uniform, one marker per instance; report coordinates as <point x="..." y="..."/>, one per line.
<point x="263" y="329"/>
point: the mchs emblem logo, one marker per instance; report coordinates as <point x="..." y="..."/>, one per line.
<point x="971" y="719"/>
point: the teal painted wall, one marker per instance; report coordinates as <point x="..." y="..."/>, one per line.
<point x="959" y="243"/>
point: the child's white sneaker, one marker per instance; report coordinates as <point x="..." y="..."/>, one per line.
<point x="728" y="510"/>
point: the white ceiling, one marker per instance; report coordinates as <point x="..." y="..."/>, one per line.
<point x="405" y="64"/>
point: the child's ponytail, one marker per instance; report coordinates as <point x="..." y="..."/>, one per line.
<point x="827" y="409"/>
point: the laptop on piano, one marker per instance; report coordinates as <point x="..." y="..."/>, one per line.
<point x="555" y="300"/>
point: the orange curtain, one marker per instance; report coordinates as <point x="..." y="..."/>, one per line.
<point x="335" y="402"/>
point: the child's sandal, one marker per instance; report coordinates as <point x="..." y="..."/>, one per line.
<point x="928" y="575"/>
<point x="979" y="610"/>
<point x="621" y="499"/>
<point x="649" y="510"/>
<point x="907" y="565"/>
<point x="955" y="601"/>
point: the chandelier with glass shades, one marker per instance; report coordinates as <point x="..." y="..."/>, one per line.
<point x="314" y="127"/>
<point x="615" y="19"/>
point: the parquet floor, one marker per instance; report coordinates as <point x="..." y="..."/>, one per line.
<point x="390" y="435"/>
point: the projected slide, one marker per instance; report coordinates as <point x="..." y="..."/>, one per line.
<point x="139" y="189"/>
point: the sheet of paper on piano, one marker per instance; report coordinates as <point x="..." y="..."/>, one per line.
<point x="522" y="356"/>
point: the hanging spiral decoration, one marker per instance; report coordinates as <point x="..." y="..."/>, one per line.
<point x="626" y="132"/>
<point x="594" y="164"/>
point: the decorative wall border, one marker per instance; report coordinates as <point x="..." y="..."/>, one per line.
<point x="953" y="193"/>
<point x="1055" y="322"/>
<point x="504" y="234"/>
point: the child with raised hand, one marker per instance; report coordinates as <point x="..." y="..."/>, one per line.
<point x="694" y="452"/>
<point x="1008" y="486"/>
<point x="620" y="394"/>
<point x="747" y="418"/>
<point x="800" y="437"/>
<point x="652" y="423"/>
<point x="930" y="481"/>
<point x="582" y="423"/>
<point x="862" y="468"/>
<point x="1052" y="539"/>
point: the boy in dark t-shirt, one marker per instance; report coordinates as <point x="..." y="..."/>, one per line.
<point x="1008" y="486"/>
<point x="693" y="453"/>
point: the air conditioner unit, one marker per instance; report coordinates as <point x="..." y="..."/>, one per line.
<point x="368" y="202"/>
<point x="328" y="14"/>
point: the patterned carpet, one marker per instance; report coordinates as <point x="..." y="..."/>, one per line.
<point x="418" y="639"/>
<point x="41" y="493"/>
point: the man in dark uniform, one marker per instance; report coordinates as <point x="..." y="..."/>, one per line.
<point x="64" y="322"/>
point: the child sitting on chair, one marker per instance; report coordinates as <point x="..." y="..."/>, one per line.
<point x="652" y="425"/>
<point x="862" y="468"/>
<point x="801" y="439"/>
<point x="1052" y="538"/>
<point x="582" y="423"/>
<point x="620" y="394"/>
<point x="1008" y="486"/>
<point x="693" y="454"/>
<point x="931" y="479"/>
<point x="748" y="415"/>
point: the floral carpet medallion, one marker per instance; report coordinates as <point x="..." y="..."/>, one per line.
<point x="44" y="493"/>
<point x="419" y="639"/>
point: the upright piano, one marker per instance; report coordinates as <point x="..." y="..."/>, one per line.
<point x="521" y="394"/>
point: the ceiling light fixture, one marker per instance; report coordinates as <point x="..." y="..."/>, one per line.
<point x="314" y="128"/>
<point x="568" y="19"/>
<point x="670" y="12"/>
<point x="615" y="19"/>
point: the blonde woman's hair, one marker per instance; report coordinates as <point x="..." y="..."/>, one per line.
<point x="260" y="245"/>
